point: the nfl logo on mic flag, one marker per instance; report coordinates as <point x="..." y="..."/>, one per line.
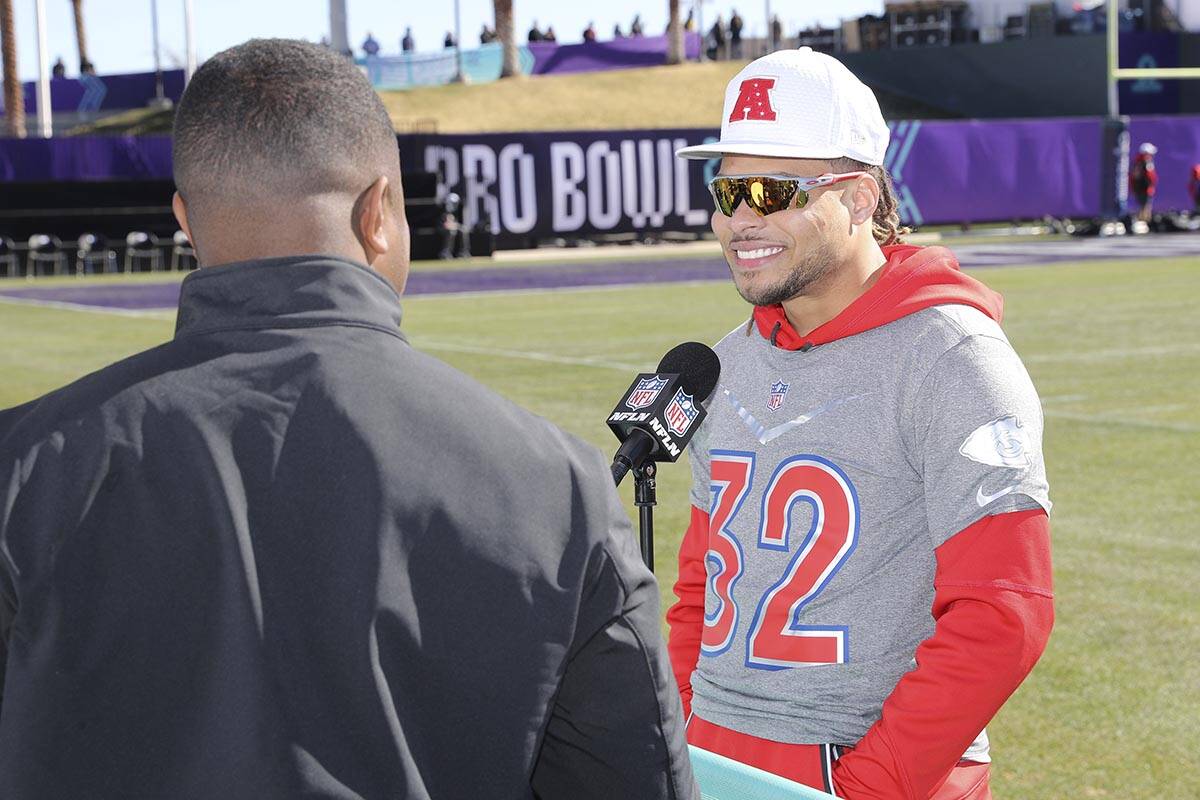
<point x="680" y="413"/>
<point x="646" y="391"/>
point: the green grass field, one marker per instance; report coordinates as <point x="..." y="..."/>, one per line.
<point x="1113" y="709"/>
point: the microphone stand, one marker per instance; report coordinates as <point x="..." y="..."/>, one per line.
<point x="645" y="498"/>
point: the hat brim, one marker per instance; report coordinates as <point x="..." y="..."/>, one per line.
<point x="720" y="149"/>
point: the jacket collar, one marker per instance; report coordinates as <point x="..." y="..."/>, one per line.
<point x="297" y="291"/>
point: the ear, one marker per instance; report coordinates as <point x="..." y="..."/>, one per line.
<point x="370" y="219"/>
<point x="864" y="199"/>
<point x="179" y="207"/>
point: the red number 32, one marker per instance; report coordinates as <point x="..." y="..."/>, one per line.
<point x="776" y="640"/>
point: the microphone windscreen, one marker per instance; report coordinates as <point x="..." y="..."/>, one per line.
<point x="696" y="365"/>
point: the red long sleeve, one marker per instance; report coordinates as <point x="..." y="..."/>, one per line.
<point x="993" y="606"/>
<point x="686" y="617"/>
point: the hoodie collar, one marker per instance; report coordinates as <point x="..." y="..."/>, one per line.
<point x="292" y="292"/>
<point x="913" y="278"/>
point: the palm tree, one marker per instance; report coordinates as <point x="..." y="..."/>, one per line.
<point x="85" y="63"/>
<point x="507" y="37"/>
<point x="674" y="35"/>
<point x="14" y="99"/>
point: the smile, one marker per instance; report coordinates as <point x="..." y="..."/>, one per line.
<point x="746" y="258"/>
<point x="761" y="252"/>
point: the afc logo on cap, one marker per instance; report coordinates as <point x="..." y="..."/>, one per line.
<point x="754" y="101"/>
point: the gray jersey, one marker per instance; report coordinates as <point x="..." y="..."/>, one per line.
<point x="830" y="476"/>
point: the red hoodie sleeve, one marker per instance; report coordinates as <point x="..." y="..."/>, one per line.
<point x="686" y="617"/>
<point x="993" y="606"/>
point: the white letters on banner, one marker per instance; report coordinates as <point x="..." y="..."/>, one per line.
<point x="566" y="172"/>
<point x="604" y="189"/>
<point x="518" y="200"/>
<point x="638" y="182"/>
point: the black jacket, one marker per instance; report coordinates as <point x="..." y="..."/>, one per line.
<point x="285" y="555"/>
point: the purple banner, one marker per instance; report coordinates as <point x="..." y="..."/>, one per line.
<point x="975" y="171"/>
<point x="542" y="185"/>
<point x="580" y="183"/>
<point x="634" y="51"/>
<point x="85" y="158"/>
<point x="89" y="93"/>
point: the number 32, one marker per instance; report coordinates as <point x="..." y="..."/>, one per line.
<point x="775" y="639"/>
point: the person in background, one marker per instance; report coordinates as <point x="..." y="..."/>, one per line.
<point x="550" y="35"/>
<point x="87" y="68"/>
<point x="589" y="33"/>
<point x="689" y="24"/>
<point x="617" y="32"/>
<point x="716" y="40"/>
<point x="59" y="70"/>
<point x="448" y="42"/>
<point x="776" y="32"/>
<point x="535" y="33"/>
<point x="735" y="34"/>
<point x="407" y="44"/>
<point x="1194" y="188"/>
<point x="1143" y="182"/>
<point x="486" y="35"/>
<point x="454" y="230"/>
<point x="369" y="46"/>
<point x="635" y="27"/>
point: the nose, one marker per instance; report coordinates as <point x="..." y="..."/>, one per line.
<point x="744" y="219"/>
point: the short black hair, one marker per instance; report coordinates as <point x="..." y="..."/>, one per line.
<point x="279" y="115"/>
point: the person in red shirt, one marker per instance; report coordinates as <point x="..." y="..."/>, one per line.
<point x="866" y="577"/>
<point x="1143" y="181"/>
<point x="1194" y="188"/>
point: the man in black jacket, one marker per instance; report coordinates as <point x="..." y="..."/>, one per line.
<point x="285" y="555"/>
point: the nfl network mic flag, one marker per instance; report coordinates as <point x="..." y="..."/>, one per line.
<point x="658" y="405"/>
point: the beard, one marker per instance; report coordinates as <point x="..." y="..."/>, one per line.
<point x="814" y="266"/>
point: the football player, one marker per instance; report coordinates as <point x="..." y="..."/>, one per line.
<point x="866" y="576"/>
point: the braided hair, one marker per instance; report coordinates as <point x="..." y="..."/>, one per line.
<point x="885" y="223"/>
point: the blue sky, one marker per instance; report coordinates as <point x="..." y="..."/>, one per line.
<point x="119" y="32"/>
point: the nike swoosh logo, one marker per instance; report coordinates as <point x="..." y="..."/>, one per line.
<point x="984" y="499"/>
<point x="764" y="434"/>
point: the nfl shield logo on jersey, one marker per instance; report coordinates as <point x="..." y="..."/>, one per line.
<point x="645" y="392"/>
<point x="680" y="413"/>
<point x="779" y="390"/>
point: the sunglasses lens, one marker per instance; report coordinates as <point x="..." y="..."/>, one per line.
<point x="763" y="195"/>
<point x="726" y="192"/>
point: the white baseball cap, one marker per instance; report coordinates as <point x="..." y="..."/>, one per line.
<point x="1148" y="149"/>
<point x="798" y="104"/>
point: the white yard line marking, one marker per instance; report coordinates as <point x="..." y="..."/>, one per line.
<point x="1113" y="353"/>
<point x="1120" y="422"/>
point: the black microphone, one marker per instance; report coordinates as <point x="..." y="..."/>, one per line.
<point x="660" y="411"/>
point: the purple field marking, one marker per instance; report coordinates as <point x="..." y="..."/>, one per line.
<point x="581" y="274"/>
<point x="135" y="297"/>
<point x="555" y="276"/>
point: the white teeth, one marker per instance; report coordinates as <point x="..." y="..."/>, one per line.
<point x="761" y="252"/>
